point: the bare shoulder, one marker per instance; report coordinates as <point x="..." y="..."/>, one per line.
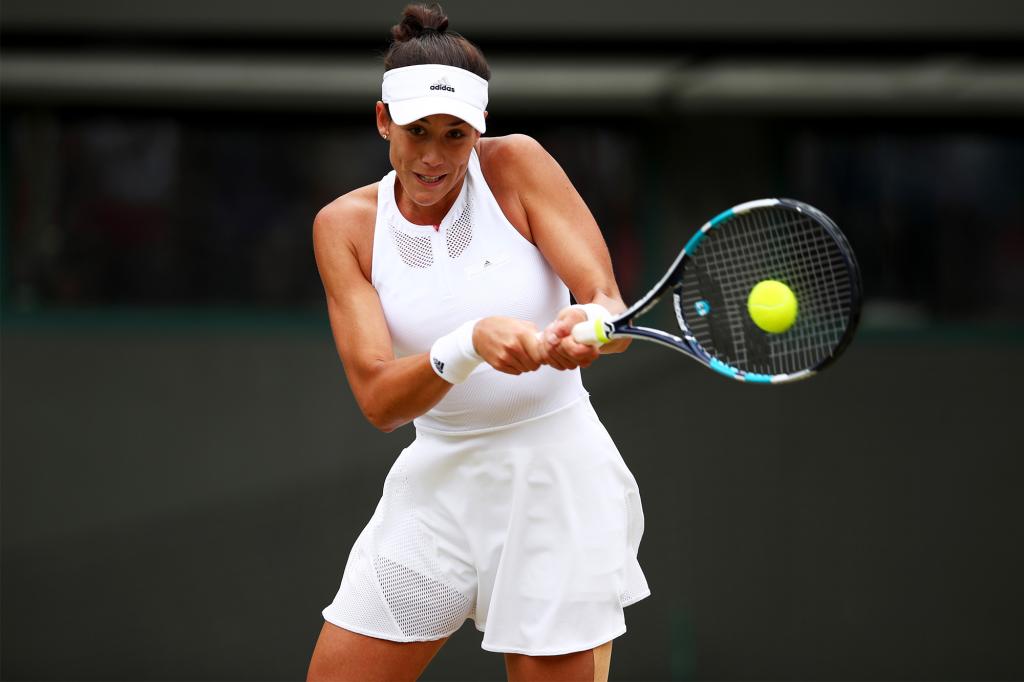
<point x="346" y="224"/>
<point x="507" y="156"/>
<point x="514" y="166"/>
<point x="348" y="212"/>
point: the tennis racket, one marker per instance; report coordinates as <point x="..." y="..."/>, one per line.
<point x="711" y="280"/>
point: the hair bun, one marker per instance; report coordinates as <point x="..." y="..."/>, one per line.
<point x="417" y="20"/>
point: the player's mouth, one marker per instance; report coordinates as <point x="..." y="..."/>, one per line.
<point x="431" y="180"/>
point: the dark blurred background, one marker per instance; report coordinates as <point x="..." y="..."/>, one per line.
<point x="184" y="469"/>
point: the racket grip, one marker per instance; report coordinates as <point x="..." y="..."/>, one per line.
<point x="590" y="332"/>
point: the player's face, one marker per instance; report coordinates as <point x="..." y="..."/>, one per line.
<point x="430" y="157"/>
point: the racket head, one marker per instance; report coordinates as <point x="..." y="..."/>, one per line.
<point x="777" y="239"/>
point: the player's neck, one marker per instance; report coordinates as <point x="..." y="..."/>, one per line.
<point x="426" y="215"/>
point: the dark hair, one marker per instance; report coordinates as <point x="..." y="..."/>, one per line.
<point x="422" y="37"/>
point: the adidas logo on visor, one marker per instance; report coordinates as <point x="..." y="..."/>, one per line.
<point x="442" y="84"/>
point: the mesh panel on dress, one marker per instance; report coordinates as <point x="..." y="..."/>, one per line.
<point x="416" y="251"/>
<point x="397" y="482"/>
<point x="360" y="601"/>
<point x="418" y="598"/>
<point x="401" y="593"/>
<point x="422" y="607"/>
<point x="460" y="233"/>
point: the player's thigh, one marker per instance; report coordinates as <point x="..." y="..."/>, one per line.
<point x="342" y="655"/>
<point x="582" y="666"/>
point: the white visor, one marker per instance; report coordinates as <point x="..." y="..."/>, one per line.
<point x="413" y="92"/>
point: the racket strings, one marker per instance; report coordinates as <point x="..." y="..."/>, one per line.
<point x="816" y="278"/>
<point x="793" y="261"/>
<point x="768" y="243"/>
<point x="802" y="274"/>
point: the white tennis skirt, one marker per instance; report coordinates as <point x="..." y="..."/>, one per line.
<point x="531" y="530"/>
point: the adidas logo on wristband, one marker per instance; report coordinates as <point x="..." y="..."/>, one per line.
<point x="453" y="357"/>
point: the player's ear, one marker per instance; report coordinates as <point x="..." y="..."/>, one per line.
<point x="383" y="119"/>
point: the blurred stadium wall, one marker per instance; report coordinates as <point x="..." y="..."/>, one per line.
<point x="183" y="469"/>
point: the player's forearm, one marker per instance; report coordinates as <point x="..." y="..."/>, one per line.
<point x="398" y="391"/>
<point x="613" y="304"/>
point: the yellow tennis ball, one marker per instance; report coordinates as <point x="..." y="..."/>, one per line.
<point x="772" y="306"/>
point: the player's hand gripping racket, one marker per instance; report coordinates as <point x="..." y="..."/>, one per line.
<point x="766" y="292"/>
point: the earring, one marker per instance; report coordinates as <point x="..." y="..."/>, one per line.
<point x="384" y="135"/>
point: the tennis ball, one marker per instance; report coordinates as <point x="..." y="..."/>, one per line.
<point x="772" y="306"/>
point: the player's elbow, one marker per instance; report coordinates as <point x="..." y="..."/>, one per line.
<point x="384" y="425"/>
<point x="378" y="416"/>
<point x="362" y="379"/>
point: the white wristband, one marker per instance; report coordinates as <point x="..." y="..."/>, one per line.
<point x="453" y="357"/>
<point x="594" y="311"/>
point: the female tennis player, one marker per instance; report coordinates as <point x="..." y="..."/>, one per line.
<point x="447" y="287"/>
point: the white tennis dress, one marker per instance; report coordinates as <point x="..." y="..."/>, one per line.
<point x="512" y="506"/>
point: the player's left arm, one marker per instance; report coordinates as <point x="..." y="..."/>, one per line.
<point x="565" y="231"/>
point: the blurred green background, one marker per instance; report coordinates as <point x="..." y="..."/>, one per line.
<point x="184" y="470"/>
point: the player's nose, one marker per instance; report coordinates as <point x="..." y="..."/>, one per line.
<point x="432" y="156"/>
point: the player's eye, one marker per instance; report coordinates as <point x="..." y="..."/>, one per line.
<point x="455" y="133"/>
<point x="416" y="130"/>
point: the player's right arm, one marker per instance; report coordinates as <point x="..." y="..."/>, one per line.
<point x="390" y="391"/>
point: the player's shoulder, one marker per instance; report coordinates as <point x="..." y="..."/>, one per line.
<point x="358" y="207"/>
<point x="519" y="166"/>
<point x="512" y="163"/>
<point x="343" y="229"/>
<point x="516" y="151"/>
<point x="348" y="220"/>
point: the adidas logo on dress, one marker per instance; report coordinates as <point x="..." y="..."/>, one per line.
<point x="442" y="84"/>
